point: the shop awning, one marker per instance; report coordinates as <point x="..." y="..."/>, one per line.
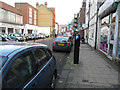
<point x="108" y="7"/>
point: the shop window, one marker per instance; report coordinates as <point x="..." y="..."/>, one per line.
<point x="17" y="31"/>
<point x="111" y="49"/>
<point x="103" y="39"/>
<point x="2" y="29"/>
<point x="10" y="30"/>
<point x="119" y="43"/>
<point x="119" y="49"/>
<point x="112" y="32"/>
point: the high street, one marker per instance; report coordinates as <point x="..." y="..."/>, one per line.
<point x="61" y="57"/>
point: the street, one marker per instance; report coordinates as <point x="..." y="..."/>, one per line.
<point x="60" y="56"/>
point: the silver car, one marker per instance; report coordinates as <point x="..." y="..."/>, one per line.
<point x="62" y="44"/>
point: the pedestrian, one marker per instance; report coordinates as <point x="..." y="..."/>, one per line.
<point x="76" y="48"/>
<point x="83" y="39"/>
<point x="24" y="37"/>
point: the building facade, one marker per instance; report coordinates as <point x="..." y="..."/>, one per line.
<point x="92" y="22"/>
<point x="46" y="17"/>
<point x="104" y="27"/>
<point x="30" y="17"/>
<point x="11" y="19"/>
<point x="109" y="29"/>
<point x="81" y="18"/>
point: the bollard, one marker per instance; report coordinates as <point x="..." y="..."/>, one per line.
<point x="76" y="48"/>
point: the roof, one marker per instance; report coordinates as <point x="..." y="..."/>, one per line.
<point x="7" y="48"/>
<point x="52" y="9"/>
<point x="23" y="3"/>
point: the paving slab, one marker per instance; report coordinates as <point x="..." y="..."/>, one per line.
<point x="92" y="71"/>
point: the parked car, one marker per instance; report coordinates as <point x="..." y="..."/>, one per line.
<point x="21" y="35"/>
<point x="70" y="36"/>
<point x="42" y="35"/>
<point x="4" y="35"/>
<point x="29" y="37"/>
<point x="46" y="35"/>
<point x="2" y="38"/>
<point x="35" y="37"/>
<point x="27" y="65"/>
<point x="39" y="36"/>
<point x="62" y="44"/>
<point x="15" y="37"/>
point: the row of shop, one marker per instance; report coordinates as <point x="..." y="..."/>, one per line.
<point x="109" y="29"/>
<point x="26" y="29"/>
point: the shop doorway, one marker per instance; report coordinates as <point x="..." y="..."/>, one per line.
<point x="29" y="31"/>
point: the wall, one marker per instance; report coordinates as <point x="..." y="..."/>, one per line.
<point x="45" y="17"/>
<point x="24" y="7"/>
<point x="92" y="23"/>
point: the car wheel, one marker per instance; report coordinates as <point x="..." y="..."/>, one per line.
<point x="16" y="40"/>
<point x="53" y="81"/>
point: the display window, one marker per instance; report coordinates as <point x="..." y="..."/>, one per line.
<point x="104" y="38"/>
<point x="119" y="42"/>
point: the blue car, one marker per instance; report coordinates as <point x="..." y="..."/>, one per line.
<point x="27" y="65"/>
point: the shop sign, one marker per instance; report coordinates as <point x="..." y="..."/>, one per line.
<point x="107" y="8"/>
<point x="11" y="25"/>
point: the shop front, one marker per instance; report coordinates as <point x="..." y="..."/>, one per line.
<point x="10" y="28"/>
<point x="109" y="29"/>
<point x="30" y="29"/>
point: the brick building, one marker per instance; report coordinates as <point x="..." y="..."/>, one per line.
<point x="46" y="17"/>
<point x="30" y="16"/>
<point x="81" y="18"/>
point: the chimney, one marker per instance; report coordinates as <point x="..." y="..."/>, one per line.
<point x="46" y="4"/>
<point x="37" y="4"/>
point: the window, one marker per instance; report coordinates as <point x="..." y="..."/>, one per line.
<point x="30" y="15"/>
<point x="19" y="73"/>
<point x="3" y="29"/>
<point x="35" y="17"/>
<point x="40" y="58"/>
<point x="92" y="31"/>
<point x="49" y="54"/>
<point x="103" y="38"/>
<point x="119" y="40"/>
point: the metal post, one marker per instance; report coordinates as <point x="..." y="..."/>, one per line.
<point x="96" y="27"/>
<point x="88" y="21"/>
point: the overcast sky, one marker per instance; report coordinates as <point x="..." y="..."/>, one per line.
<point x="64" y="9"/>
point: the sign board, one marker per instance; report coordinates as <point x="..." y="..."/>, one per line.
<point x="107" y="7"/>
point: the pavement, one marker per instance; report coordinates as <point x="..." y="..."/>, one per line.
<point x="93" y="71"/>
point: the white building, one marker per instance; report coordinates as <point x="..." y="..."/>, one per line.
<point x="92" y="23"/>
<point x="109" y="29"/>
<point x="11" y="19"/>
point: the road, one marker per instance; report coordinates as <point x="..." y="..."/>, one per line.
<point x="61" y="57"/>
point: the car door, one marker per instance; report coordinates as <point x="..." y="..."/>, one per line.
<point x="41" y="68"/>
<point x="51" y="64"/>
<point x="19" y="71"/>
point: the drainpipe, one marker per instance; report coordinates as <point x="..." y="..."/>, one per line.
<point x="96" y="27"/>
<point x="88" y="22"/>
